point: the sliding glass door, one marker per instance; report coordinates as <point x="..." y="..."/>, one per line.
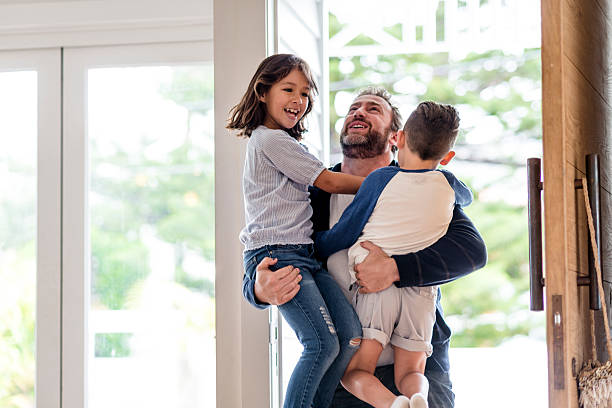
<point x="107" y="227"/>
<point x="139" y="309"/>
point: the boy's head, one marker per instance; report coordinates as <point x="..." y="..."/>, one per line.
<point x="431" y="130"/>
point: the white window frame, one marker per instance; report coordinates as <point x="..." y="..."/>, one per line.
<point x="48" y="275"/>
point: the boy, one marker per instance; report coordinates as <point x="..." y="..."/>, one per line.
<point x="401" y="209"/>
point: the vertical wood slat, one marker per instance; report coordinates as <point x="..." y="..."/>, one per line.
<point x="552" y="122"/>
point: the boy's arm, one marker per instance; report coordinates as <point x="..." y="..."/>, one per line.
<point x="458" y="253"/>
<point x="348" y="228"/>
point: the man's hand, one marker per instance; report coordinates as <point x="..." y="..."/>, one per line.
<point x="377" y="272"/>
<point x="276" y="287"/>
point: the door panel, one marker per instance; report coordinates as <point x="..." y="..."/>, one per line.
<point x="576" y="111"/>
<point x="138" y="217"/>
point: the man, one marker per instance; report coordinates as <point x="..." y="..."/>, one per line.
<point x="368" y="139"/>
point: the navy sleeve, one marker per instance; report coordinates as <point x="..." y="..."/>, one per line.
<point x="346" y="232"/>
<point x="463" y="194"/>
<point x="458" y="253"/>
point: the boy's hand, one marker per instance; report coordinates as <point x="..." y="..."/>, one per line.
<point x="377" y="272"/>
<point x="276" y="287"/>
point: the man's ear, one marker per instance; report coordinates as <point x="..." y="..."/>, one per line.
<point x="446" y="159"/>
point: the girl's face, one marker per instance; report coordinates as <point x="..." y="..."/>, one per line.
<point x="286" y="101"/>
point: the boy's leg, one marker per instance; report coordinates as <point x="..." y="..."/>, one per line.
<point x="411" y="342"/>
<point x="378" y="314"/>
<point x="348" y="330"/>
<point x="359" y="377"/>
<point x="409" y="372"/>
<point x="344" y="399"/>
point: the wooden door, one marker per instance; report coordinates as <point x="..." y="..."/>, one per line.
<point x="576" y="111"/>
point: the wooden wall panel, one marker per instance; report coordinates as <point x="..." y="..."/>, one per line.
<point x="576" y="122"/>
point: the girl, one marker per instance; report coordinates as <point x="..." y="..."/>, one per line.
<point x="277" y="173"/>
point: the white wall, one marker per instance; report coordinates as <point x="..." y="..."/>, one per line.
<point x="42" y="24"/>
<point x="242" y="331"/>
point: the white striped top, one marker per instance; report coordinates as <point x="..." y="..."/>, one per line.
<point x="277" y="173"/>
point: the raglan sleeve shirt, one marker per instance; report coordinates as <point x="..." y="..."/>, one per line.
<point x="348" y="228"/>
<point x="459" y="252"/>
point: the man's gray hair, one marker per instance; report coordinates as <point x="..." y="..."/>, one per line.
<point x="396" y="118"/>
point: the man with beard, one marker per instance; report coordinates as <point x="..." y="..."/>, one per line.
<point x="368" y="140"/>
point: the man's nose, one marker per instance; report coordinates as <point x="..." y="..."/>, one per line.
<point x="359" y="112"/>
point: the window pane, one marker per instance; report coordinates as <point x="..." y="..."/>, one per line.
<point x="151" y="225"/>
<point x="18" y="150"/>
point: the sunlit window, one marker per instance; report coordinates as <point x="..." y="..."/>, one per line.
<point x="151" y="224"/>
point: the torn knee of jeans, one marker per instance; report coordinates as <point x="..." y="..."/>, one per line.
<point x="355" y="342"/>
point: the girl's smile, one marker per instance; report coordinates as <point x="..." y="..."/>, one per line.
<point x="286" y="101"/>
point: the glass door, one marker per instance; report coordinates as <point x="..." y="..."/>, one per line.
<point x="29" y="228"/>
<point x="139" y="304"/>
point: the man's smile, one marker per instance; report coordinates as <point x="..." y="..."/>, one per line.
<point x="358" y="124"/>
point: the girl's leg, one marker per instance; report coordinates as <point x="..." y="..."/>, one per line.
<point x="409" y="374"/>
<point x="348" y="330"/>
<point x="359" y="377"/>
<point x="308" y="316"/>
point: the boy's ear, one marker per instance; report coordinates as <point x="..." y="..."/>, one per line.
<point x="398" y="139"/>
<point x="446" y="159"/>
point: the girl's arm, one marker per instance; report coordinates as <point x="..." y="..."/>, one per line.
<point x="338" y="183"/>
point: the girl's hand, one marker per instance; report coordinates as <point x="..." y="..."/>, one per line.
<point x="276" y="287"/>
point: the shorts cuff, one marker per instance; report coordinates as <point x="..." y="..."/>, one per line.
<point x="412" y="345"/>
<point x="374" y="334"/>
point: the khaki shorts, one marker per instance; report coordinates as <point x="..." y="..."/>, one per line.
<point x="402" y="316"/>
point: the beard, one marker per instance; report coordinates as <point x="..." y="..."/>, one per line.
<point x="372" y="144"/>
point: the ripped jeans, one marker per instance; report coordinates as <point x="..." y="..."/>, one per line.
<point x="322" y="318"/>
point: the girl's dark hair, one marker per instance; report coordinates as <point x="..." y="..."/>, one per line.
<point x="251" y="112"/>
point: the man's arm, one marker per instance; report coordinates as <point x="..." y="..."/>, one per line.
<point x="271" y="287"/>
<point x="458" y="253"/>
